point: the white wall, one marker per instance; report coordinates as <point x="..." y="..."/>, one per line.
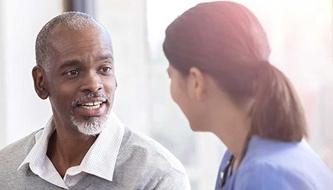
<point x="23" y="112"/>
<point x="126" y="21"/>
<point x="2" y="82"/>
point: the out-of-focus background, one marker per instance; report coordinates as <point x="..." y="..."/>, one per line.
<point x="301" y="36"/>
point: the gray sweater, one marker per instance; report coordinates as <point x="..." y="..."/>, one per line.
<point x="142" y="164"/>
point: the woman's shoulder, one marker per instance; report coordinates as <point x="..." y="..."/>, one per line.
<point x="282" y="165"/>
<point x="269" y="176"/>
<point x="267" y="151"/>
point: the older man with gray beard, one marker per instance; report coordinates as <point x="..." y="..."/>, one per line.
<point x="84" y="145"/>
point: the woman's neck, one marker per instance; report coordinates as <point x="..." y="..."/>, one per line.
<point x="232" y="127"/>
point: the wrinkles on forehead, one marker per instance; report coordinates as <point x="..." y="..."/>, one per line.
<point x="62" y="40"/>
<point x="74" y="21"/>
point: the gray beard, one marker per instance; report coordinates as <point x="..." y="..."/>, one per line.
<point x="90" y="128"/>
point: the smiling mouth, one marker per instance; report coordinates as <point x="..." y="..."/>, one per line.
<point x="91" y="105"/>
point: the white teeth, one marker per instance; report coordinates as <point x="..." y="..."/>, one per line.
<point x="97" y="103"/>
<point x="91" y="105"/>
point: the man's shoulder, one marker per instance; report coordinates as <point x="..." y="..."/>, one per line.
<point x="142" y="156"/>
<point x="14" y="153"/>
<point x="148" y="149"/>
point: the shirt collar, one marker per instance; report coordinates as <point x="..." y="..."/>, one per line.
<point x="37" y="153"/>
<point x="100" y="159"/>
<point x="258" y="143"/>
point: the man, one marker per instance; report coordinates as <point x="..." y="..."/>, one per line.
<point x="83" y="146"/>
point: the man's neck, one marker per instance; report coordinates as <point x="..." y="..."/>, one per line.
<point x="67" y="149"/>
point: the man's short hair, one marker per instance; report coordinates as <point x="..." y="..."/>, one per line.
<point x="72" y="20"/>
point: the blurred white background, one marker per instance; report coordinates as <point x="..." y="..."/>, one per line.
<point x="301" y="36"/>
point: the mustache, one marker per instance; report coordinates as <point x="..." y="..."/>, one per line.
<point x="91" y="95"/>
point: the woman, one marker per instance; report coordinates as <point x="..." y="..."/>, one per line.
<point x="222" y="80"/>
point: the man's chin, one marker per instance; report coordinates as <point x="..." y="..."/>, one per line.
<point x="89" y="126"/>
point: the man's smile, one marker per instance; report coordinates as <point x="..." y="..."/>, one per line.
<point x="92" y="107"/>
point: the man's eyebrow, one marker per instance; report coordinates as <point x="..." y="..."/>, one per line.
<point x="70" y="63"/>
<point x="104" y="57"/>
<point x="77" y="62"/>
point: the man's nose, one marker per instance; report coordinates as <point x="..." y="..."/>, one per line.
<point x="91" y="82"/>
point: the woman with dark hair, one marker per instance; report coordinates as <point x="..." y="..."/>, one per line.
<point x="223" y="81"/>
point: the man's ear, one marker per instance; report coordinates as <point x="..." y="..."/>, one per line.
<point x="38" y="75"/>
<point x="197" y="83"/>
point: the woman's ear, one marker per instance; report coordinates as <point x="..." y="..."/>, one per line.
<point x="38" y="75"/>
<point x="197" y="83"/>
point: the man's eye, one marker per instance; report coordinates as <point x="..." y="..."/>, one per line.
<point x="72" y="73"/>
<point x="106" y="69"/>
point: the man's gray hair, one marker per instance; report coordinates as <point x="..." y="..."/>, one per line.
<point x="72" y="20"/>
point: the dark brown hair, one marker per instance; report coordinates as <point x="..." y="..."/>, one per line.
<point x="226" y="41"/>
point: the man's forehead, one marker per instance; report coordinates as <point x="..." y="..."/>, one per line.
<point x="66" y="44"/>
<point x="62" y="34"/>
<point x="62" y="30"/>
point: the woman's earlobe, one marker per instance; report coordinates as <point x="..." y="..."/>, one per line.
<point x="39" y="82"/>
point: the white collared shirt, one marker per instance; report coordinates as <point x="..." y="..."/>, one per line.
<point x="100" y="159"/>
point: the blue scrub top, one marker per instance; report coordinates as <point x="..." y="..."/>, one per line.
<point x="277" y="165"/>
